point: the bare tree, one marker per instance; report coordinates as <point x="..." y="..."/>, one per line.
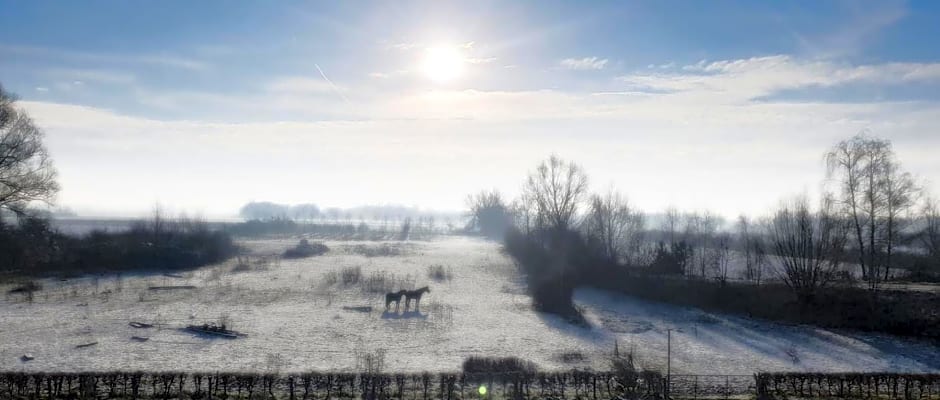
<point x="557" y="187"/>
<point x="489" y="213"/>
<point x="700" y="230"/>
<point x="615" y="227"/>
<point x="930" y="235"/>
<point x="901" y="193"/>
<point x="26" y="171"/>
<point x="721" y="257"/>
<point x="670" y="224"/>
<point x="809" y="245"/>
<point x="746" y="241"/>
<point x="525" y="214"/>
<point x="874" y="195"/>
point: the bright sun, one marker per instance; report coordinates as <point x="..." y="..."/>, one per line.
<point x="443" y="64"/>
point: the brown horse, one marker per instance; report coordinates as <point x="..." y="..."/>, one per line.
<point x="396" y="297"/>
<point x="416" y="296"/>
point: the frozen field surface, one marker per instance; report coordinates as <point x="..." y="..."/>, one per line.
<point x="300" y="315"/>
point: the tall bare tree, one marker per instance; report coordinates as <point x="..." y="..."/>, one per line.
<point x="901" y="193"/>
<point x="557" y="187"/>
<point x="615" y="227"/>
<point x="27" y="174"/>
<point x="721" y="257"/>
<point x="670" y="224"/>
<point x="751" y="245"/>
<point x="700" y="230"/>
<point x="875" y="195"/>
<point x="808" y="245"/>
<point x="930" y="235"/>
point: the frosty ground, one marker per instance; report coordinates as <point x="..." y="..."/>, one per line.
<point x="299" y="315"/>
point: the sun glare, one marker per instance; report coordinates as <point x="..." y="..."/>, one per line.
<point x="443" y="64"/>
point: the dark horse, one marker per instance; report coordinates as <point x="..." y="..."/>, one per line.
<point x="416" y="296"/>
<point x="396" y="297"/>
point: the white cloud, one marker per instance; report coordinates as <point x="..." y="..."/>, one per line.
<point x="586" y="63"/>
<point x="42" y="89"/>
<point x="694" y="148"/>
<point x="697" y="127"/>
<point x="746" y="79"/>
<point x="480" y="60"/>
<point x="82" y="75"/>
<point x="163" y="60"/>
<point x="403" y="46"/>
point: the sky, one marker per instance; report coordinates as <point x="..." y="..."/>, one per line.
<point x="726" y="105"/>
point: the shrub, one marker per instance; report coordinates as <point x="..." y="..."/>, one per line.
<point x="438" y="273"/>
<point x="380" y="282"/>
<point x="306" y="249"/>
<point x="351" y="275"/>
<point x="382" y="250"/>
<point x="498" y="365"/>
<point x="34" y="248"/>
<point x="27" y="287"/>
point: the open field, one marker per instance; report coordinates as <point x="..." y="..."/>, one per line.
<point x="300" y="315"/>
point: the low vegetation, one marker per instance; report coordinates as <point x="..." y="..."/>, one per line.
<point x="34" y="248"/>
<point x="439" y="273"/>
<point x="306" y="249"/>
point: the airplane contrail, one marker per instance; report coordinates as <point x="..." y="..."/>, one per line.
<point x="335" y="89"/>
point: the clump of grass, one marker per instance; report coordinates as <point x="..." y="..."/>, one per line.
<point x="438" y="273"/>
<point x="378" y="282"/>
<point x="330" y="278"/>
<point x="351" y="275"/>
<point x="243" y="264"/>
<point x="381" y="250"/>
<point x="306" y="249"/>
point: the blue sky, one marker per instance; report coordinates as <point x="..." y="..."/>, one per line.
<point x="202" y="106"/>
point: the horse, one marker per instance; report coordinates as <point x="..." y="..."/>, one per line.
<point x="416" y="296"/>
<point x="394" y="296"/>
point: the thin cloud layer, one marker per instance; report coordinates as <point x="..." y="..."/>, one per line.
<point x="586" y="63"/>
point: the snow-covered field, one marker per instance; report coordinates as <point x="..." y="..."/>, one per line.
<point x="299" y="315"/>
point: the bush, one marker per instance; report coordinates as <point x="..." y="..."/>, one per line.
<point x="34" y="248"/>
<point x="382" y="250"/>
<point x="438" y="273"/>
<point x="351" y="275"/>
<point x="306" y="249"/>
<point x="554" y="263"/>
<point x="498" y="365"/>
<point x="28" y="287"/>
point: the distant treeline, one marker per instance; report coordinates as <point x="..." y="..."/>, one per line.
<point x="403" y="230"/>
<point x="384" y="214"/>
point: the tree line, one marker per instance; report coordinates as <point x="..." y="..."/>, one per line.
<point x="29" y="245"/>
<point x="871" y="213"/>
